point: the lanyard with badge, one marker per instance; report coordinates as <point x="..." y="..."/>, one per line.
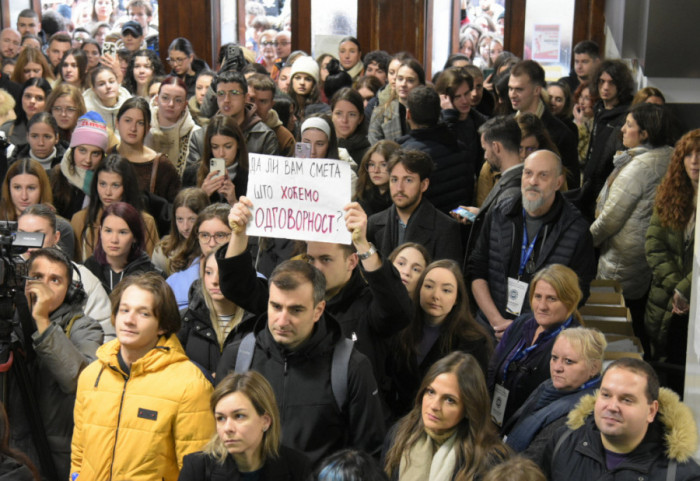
<point x="500" y="394"/>
<point x="517" y="289"/>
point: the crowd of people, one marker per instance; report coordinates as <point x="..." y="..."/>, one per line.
<point x="154" y="339"/>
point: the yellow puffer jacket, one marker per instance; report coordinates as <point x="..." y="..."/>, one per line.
<point x="139" y="427"/>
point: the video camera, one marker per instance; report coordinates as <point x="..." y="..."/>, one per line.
<point x="13" y="268"/>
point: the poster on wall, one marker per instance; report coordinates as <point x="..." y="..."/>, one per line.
<point x="546" y="43"/>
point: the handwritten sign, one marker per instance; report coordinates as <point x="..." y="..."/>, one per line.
<point x="299" y="199"/>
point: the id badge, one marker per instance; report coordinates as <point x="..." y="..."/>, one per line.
<point x="516" y="296"/>
<point x="498" y="406"/>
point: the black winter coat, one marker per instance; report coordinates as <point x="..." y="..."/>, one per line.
<point x="437" y="232"/>
<point x="452" y="181"/>
<point x="300" y="379"/>
<point x="103" y="271"/>
<point x="198" y="337"/>
<point x="291" y="465"/>
<point x="567" y="143"/>
<point x="370" y="308"/>
<point x="564" y="239"/>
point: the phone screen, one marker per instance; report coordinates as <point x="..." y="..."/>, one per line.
<point x="303" y="150"/>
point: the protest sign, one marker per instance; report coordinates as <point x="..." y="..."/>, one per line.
<point x="300" y="199"/>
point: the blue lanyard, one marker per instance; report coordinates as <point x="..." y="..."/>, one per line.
<point x="590" y="383"/>
<point x="526" y="251"/>
<point x="521" y="351"/>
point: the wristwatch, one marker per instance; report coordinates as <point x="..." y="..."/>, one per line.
<point x="366" y="255"/>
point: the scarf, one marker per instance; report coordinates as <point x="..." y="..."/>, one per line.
<point x="78" y="177"/>
<point x="431" y="458"/>
<point x="45" y="162"/>
<point x="544" y="406"/>
<point x="356" y="70"/>
<point x="172" y="141"/>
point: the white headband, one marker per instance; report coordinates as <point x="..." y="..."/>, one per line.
<point x="316" y="123"/>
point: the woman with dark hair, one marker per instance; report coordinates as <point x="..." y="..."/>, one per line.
<point x="188" y="204"/>
<point x="31" y="63"/>
<point x="455" y="86"/>
<point x="245" y="410"/>
<point x="93" y="52"/>
<point x="210" y="231"/>
<point x="625" y="206"/>
<point x="105" y="11"/>
<point x="372" y="190"/>
<point x="534" y="135"/>
<point x="442" y="324"/>
<point x="14" y="465"/>
<point x="105" y="96"/>
<point x="583" y="118"/>
<point x="410" y="259"/>
<point x="367" y="86"/>
<point x="561" y="103"/>
<point x="34" y="94"/>
<point x="389" y="120"/>
<point x="286" y="111"/>
<point x="349" y="465"/>
<point x="304" y="87"/>
<point x="184" y="64"/>
<point x="44" y="144"/>
<point x="669" y="253"/>
<point x="73" y="69"/>
<point x="223" y="139"/>
<point x="350" y="56"/>
<point x="337" y="79"/>
<point x="66" y="104"/>
<point x="521" y="360"/>
<point x="144" y="66"/>
<point x="456" y="60"/>
<point x="70" y="180"/>
<point x="154" y="171"/>
<point x="349" y="123"/>
<point x="121" y="246"/>
<point x="142" y="405"/>
<point x="448" y="434"/>
<point x="113" y="181"/>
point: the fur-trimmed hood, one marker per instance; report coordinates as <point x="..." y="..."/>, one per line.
<point x="680" y="429"/>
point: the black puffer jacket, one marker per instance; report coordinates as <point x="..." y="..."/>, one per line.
<point x="564" y="239"/>
<point x="452" y="181"/>
<point x="198" y="337"/>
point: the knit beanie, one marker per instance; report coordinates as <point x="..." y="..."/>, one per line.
<point x="91" y="129"/>
<point x="305" y="65"/>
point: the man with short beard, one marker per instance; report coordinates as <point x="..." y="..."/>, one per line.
<point x="521" y="235"/>
<point x="411" y="217"/>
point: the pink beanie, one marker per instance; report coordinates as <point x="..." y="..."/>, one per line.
<point x="90" y="130"/>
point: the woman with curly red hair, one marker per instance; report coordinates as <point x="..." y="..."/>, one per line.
<point x="669" y="252"/>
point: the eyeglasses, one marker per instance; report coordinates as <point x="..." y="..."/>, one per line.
<point x="267" y="44"/>
<point x="176" y="61"/>
<point x="223" y="93"/>
<point x="64" y="110"/>
<point x="218" y="236"/>
<point x="380" y="166"/>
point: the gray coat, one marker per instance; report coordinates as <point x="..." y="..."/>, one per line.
<point x="62" y="351"/>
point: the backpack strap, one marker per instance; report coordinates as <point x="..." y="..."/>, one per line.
<point x="671" y="470"/>
<point x="339" y="371"/>
<point x="560" y="442"/>
<point x="244" y="357"/>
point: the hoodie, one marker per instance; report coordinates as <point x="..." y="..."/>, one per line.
<point x="109" y="114"/>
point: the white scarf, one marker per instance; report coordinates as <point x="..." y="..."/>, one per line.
<point x="423" y="463"/>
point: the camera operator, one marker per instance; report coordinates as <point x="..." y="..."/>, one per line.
<point x="41" y="218"/>
<point x="59" y="341"/>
